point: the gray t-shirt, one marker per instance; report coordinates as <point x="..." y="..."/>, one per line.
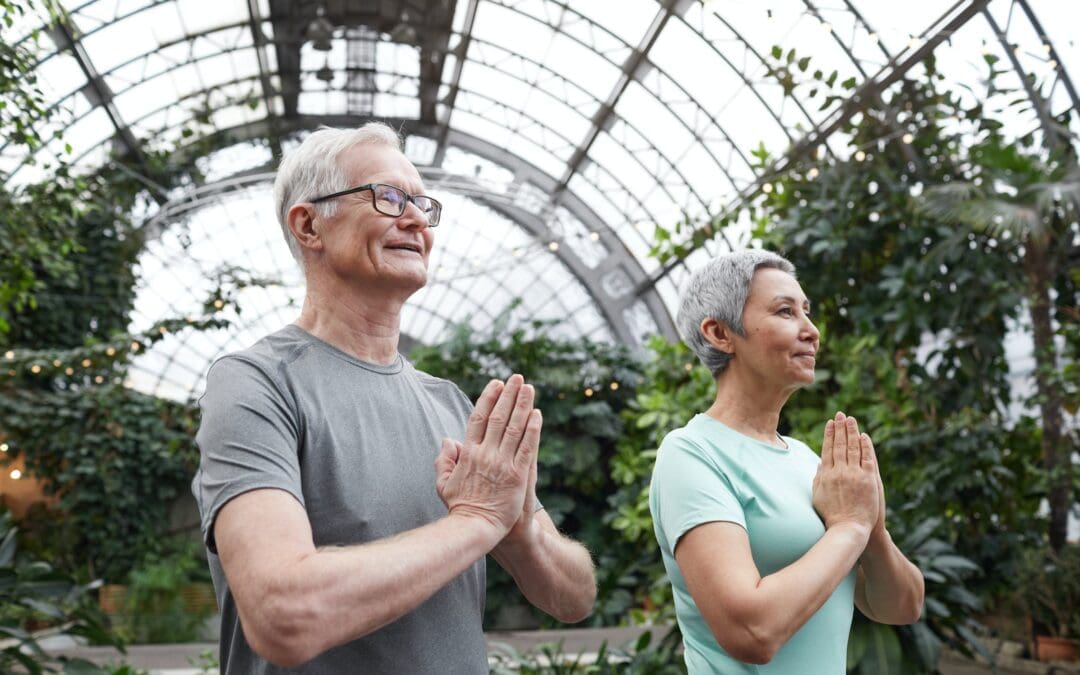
<point x="355" y="443"/>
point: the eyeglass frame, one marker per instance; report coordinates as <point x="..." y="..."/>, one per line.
<point x="375" y="200"/>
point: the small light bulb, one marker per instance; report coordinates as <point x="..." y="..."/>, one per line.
<point x="553" y="246"/>
<point x="588" y="392"/>
<point x="614" y="386"/>
<point x="15" y="474"/>
<point x="86" y="363"/>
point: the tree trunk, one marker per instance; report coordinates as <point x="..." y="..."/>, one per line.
<point x="1057" y="455"/>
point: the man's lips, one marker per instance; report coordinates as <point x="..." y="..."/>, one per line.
<point x="407" y="246"/>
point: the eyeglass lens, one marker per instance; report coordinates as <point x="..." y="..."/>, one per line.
<point x="391" y="201"/>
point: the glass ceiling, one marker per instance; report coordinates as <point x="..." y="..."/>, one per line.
<point x="558" y="134"/>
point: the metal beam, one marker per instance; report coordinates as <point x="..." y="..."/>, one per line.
<point x="97" y="90"/>
<point x="460" y="52"/>
<point x="631" y="69"/>
<point x="260" y="41"/>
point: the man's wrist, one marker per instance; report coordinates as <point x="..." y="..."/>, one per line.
<point x="522" y="539"/>
<point x="488" y="531"/>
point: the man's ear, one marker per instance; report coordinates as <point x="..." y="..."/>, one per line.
<point x="303" y="227"/>
<point x="718" y="335"/>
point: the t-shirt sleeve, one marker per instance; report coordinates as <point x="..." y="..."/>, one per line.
<point x="691" y="489"/>
<point x="248" y="439"/>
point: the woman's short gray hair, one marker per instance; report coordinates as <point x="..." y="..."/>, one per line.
<point x="719" y="291"/>
<point x="312" y="170"/>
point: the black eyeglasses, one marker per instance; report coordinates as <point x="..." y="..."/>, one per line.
<point x="390" y="201"/>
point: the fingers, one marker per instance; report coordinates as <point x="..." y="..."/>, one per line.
<point x="519" y="420"/>
<point x="854" y="453"/>
<point x="502" y="411"/>
<point x="827" y="444"/>
<point x="530" y="442"/>
<point x="478" y="420"/>
<point x="840" y="448"/>
<point x="866" y="448"/>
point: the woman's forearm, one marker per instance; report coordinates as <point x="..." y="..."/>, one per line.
<point x="892" y="587"/>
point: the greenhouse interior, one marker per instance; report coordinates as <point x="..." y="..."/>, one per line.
<point x="917" y="163"/>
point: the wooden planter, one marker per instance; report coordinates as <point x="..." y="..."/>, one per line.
<point x="112" y="599"/>
<point x="198" y="598"/>
<point x="1057" y="649"/>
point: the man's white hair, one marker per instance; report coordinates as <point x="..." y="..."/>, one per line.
<point x="312" y="170"/>
<point x="719" y="291"/>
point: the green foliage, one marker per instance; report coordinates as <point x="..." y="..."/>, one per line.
<point x="1048" y="588"/>
<point x="674" y="388"/>
<point x="114" y="458"/>
<point x="156" y="609"/>
<point x="32" y="590"/>
<point x="641" y="658"/>
<point x="581" y="386"/>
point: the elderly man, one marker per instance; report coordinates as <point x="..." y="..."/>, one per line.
<point x="348" y="500"/>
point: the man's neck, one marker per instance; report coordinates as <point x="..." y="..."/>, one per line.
<point x="364" y="326"/>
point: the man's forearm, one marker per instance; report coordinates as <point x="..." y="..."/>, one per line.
<point x="553" y="572"/>
<point x="893" y="586"/>
<point x="334" y="595"/>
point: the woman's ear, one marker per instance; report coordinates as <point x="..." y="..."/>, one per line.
<point x="303" y="227"/>
<point x="718" y="335"/>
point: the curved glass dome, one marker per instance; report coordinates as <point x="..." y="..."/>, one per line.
<point x="559" y="135"/>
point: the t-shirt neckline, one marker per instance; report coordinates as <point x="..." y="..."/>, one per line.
<point x="710" y="419"/>
<point x="396" y="367"/>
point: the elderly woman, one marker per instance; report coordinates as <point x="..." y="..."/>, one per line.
<point x="766" y="545"/>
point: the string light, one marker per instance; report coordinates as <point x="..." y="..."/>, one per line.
<point x="553" y="246"/>
<point x="9" y="355"/>
<point x="595" y="236"/>
<point x="15" y="474"/>
<point x="69" y="371"/>
<point x="588" y="392"/>
<point x="614" y="386"/>
<point x="812" y="173"/>
<point x="56" y="363"/>
<point x="860" y="156"/>
<point x="688" y="367"/>
<point x="111" y="351"/>
<point x="135" y="346"/>
<point x="4" y="447"/>
<point x="907" y="138"/>
<point x="99" y="379"/>
<point x="163" y="330"/>
<point x="35" y="369"/>
<point x="766" y="188"/>
<point x="219" y="303"/>
<point x="86" y="363"/>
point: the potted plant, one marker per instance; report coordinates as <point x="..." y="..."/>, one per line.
<point x="1049" y="589"/>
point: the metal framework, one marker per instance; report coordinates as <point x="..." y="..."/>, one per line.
<point x="576" y="131"/>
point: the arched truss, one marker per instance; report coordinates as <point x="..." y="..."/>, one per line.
<point x="570" y="124"/>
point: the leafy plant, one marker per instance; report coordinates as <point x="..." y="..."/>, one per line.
<point x="1048" y="588"/>
<point x="114" y="458"/>
<point x="32" y="590"/>
<point x="640" y="658"/>
<point x="157" y="609"/>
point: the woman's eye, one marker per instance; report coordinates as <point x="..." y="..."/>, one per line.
<point x="786" y="311"/>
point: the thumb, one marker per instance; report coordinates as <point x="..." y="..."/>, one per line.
<point x="446" y="461"/>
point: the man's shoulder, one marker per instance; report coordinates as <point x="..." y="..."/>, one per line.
<point x="439" y="386"/>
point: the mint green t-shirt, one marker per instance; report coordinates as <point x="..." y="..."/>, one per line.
<point x="707" y="472"/>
